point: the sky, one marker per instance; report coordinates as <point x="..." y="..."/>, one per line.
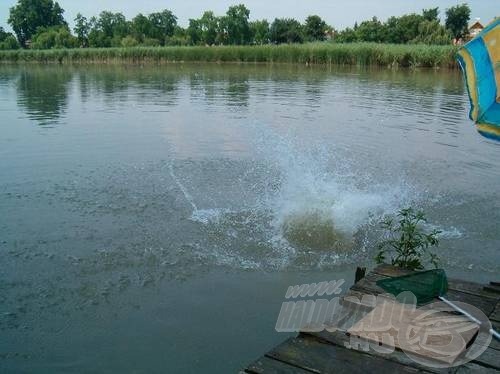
<point x="338" y="13"/>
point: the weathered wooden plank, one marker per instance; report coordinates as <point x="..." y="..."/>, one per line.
<point x="319" y="357"/>
<point x="495" y="314"/>
<point x="486" y="305"/>
<point x="347" y="315"/>
<point x="495" y="344"/>
<point x="369" y="284"/>
<point x="352" y="313"/>
<point x="355" y="299"/>
<point x="266" y="365"/>
<point x="363" y="289"/>
<point x="408" y="318"/>
<point x="367" y="300"/>
<point x="390" y="271"/>
<point x="471" y="288"/>
<point x="341" y="339"/>
<point x="326" y="352"/>
<point x="472" y="367"/>
<point x="490" y="358"/>
<point x="493" y="289"/>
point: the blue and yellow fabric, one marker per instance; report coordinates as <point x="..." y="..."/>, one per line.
<point x="480" y="63"/>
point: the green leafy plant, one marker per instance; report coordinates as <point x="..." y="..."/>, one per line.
<point x="408" y="243"/>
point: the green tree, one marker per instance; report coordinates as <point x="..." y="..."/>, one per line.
<point x="7" y="40"/>
<point x="28" y="15"/>
<point x="97" y="39"/>
<point x="113" y="24"/>
<point x="431" y="14"/>
<point x="236" y="25"/>
<point x="402" y="29"/>
<point x="315" y="28"/>
<point x="347" y="35"/>
<point x="457" y="20"/>
<point x="163" y="25"/>
<point x="432" y="32"/>
<point x="108" y="30"/>
<point x="209" y="25"/>
<point x="180" y="37"/>
<point x="53" y="37"/>
<point x="194" y="32"/>
<point x="82" y="29"/>
<point x="57" y="15"/>
<point x="286" y="30"/>
<point x="222" y="36"/>
<point x="371" y="31"/>
<point x="141" y="28"/>
<point x="3" y="34"/>
<point x="260" y="31"/>
<point x="408" y="28"/>
<point x="129" y="41"/>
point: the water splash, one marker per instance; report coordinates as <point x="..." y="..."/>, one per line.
<point x="444" y="232"/>
<point x="206" y="216"/>
<point x="318" y="200"/>
<point x="297" y="203"/>
<point x="183" y="189"/>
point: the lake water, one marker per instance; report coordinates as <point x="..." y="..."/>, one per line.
<point x="152" y="218"/>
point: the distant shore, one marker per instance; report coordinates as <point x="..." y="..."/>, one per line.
<point x="362" y="54"/>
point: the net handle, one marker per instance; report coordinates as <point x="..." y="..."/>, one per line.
<point x="469" y="316"/>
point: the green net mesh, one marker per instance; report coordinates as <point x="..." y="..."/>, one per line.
<point x="425" y="285"/>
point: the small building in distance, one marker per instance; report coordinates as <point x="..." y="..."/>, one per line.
<point x="475" y="28"/>
<point x="329" y="34"/>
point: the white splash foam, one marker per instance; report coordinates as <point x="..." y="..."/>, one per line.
<point x="445" y="233"/>
<point x="300" y="184"/>
<point x="206" y="216"/>
<point x="451" y="233"/>
<point x="314" y="183"/>
<point x="183" y="189"/>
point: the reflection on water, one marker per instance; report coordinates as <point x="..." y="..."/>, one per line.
<point x="122" y="84"/>
<point x="211" y="86"/>
<point x="44" y="97"/>
<point x="122" y="183"/>
<point x="43" y="91"/>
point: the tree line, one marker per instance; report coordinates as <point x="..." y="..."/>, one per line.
<point x="424" y="28"/>
<point x="40" y="24"/>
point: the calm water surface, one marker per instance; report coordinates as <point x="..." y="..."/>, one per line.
<point x="153" y="218"/>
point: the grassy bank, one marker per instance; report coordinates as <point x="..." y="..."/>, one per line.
<point x="314" y="53"/>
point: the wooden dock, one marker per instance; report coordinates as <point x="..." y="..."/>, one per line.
<point x="326" y="352"/>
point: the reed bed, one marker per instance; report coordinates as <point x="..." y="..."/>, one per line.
<point x="363" y="54"/>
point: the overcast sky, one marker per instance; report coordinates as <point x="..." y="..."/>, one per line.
<point x="338" y="13"/>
